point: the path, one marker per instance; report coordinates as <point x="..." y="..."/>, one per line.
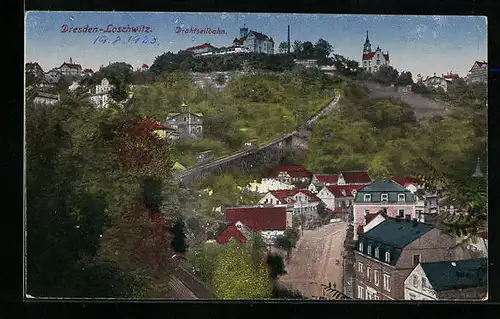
<point x="313" y="261"/>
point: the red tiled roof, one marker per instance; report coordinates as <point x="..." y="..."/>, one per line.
<point x="258" y="36"/>
<point x="71" y="65"/>
<point x="144" y="65"/>
<point x="479" y="64"/>
<point x="231" y="231"/>
<point x="344" y="190"/>
<point x="451" y="76"/>
<point x="327" y="178"/>
<point x="406" y="181"/>
<point x="258" y="218"/>
<point x="368" y="56"/>
<point x="201" y="46"/>
<point x="292" y="170"/>
<point x="356" y="177"/>
<point x="282" y="195"/>
<point x="307" y="192"/>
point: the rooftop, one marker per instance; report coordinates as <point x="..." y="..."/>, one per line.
<point x="397" y="233"/>
<point x="458" y="274"/>
<point x="258" y="218"/>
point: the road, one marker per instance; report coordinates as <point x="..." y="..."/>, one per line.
<point x="313" y="260"/>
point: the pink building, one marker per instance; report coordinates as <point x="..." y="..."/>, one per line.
<point x="398" y="201"/>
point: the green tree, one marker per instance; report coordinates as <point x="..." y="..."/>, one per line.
<point x="276" y="266"/>
<point x="236" y="276"/>
<point x="405" y="78"/>
<point x="322" y="48"/>
<point x="297" y="47"/>
<point x="179" y="237"/>
<point x="283" y="47"/>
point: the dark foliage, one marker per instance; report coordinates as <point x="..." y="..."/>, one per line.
<point x="276" y="266"/>
<point x="179" y="243"/>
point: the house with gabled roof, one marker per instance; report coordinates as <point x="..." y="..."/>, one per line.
<point x="237" y="231"/>
<point x="386" y="254"/>
<point x="290" y="174"/>
<point x="339" y="196"/>
<point x="413" y="185"/>
<point x="70" y="68"/>
<point x="189" y="125"/>
<point x="202" y="48"/>
<point x="448" y="280"/>
<point x="478" y="73"/>
<point x="300" y="201"/>
<point x="382" y="194"/>
<point x="270" y="222"/>
<point x="254" y="41"/>
<point x="353" y="178"/>
<point x="318" y="181"/>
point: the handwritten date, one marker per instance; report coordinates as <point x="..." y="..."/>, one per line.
<point x="103" y="39"/>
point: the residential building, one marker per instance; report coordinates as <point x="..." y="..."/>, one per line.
<point x="270" y="222"/>
<point x="413" y="185"/>
<point x="74" y="86"/>
<point x="388" y="252"/>
<point x="353" y="178"/>
<point x="144" y="67"/>
<point x="227" y="50"/>
<point x="35" y="69"/>
<point x="301" y="201"/>
<point x="203" y="48"/>
<point x="70" y="68"/>
<point x="99" y="94"/>
<point x="46" y="98"/>
<point x="266" y="185"/>
<point x="238" y="231"/>
<point x="254" y="41"/>
<point x="437" y="83"/>
<point x="450" y="76"/>
<point x="371" y="61"/>
<point x="307" y="63"/>
<point x="164" y="132"/>
<point x="53" y="76"/>
<point x="383" y="194"/>
<point x="290" y="174"/>
<point x="188" y="125"/>
<point x="87" y="72"/>
<point x="478" y="73"/>
<point x="448" y="280"/>
<point x="338" y="197"/>
<point x="318" y="181"/>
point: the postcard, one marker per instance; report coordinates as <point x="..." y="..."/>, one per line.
<point x="195" y="156"/>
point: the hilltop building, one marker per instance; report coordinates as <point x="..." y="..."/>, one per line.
<point x="99" y="94"/>
<point x="255" y="41"/>
<point x="478" y="73"/>
<point x="372" y="60"/>
<point x="437" y="82"/>
<point x="70" y="68"/>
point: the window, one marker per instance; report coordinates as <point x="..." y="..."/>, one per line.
<point x="401" y="212"/>
<point x="401" y="197"/>
<point x="376" y="277"/>
<point x="360" y="267"/>
<point x="368" y="197"/>
<point x="368" y="273"/>
<point x="415" y="281"/>
<point x="387" y="257"/>
<point x="424" y="283"/>
<point x="361" y="292"/>
<point x="369" y="250"/>
<point x="416" y="260"/>
<point x="385" y="197"/>
<point x="377" y="252"/>
<point x="361" y="247"/>
<point x="367" y="211"/>
<point x="387" y="282"/>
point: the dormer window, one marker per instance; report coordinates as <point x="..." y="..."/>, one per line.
<point x="385" y="197"/>
<point x="401" y="197"/>
<point x="368" y="197"/>
<point x="387" y="257"/>
<point x="361" y="247"/>
<point x="369" y="250"/>
<point x="377" y="252"/>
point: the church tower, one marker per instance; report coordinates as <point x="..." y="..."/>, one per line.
<point x="367" y="47"/>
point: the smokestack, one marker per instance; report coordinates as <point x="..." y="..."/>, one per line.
<point x="288" y="38"/>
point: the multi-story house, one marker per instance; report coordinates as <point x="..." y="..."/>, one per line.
<point x="46" y="98"/>
<point x="99" y="94"/>
<point x="388" y="252"/>
<point x="254" y="41"/>
<point x="383" y="194"/>
<point x="318" y="181"/>
<point x="413" y="185"/>
<point x="35" y="70"/>
<point x="301" y="202"/>
<point x="338" y="197"/>
<point x="188" y="125"/>
<point x="478" y="73"/>
<point x="437" y="82"/>
<point x="227" y="50"/>
<point x="354" y="178"/>
<point x="450" y="76"/>
<point x="447" y="280"/>
<point x="266" y="185"/>
<point x="70" y="68"/>
<point x="87" y="72"/>
<point x="270" y="222"/>
<point x="371" y="61"/>
<point x="290" y="174"/>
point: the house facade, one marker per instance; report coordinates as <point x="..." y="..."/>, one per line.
<point x="254" y="41"/>
<point x="339" y="196"/>
<point x="353" y="178"/>
<point x="188" y="125"/>
<point x="238" y="231"/>
<point x="448" y="280"/>
<point x="46" y="98"/>
<point x="203" y="48"/>
<point x="266" y="185"/>
<point x="70" y="68"/>
<point x="478" y="73"/>
<point x="99" y="94"/>
<point x="371" y="61"/>
<point x="227" y="50"/>
<point x="53" y="76"/>
<point x="307" y="63"/>
<point x="291" y="174"/>
<point x="270" y="222"/>
<point x="301" y="202"/>
<point x="387" y="253"/>
<point x="436" y="83"/>
<point x="380" y="195"/>
<point x="413" y="185"/>
<point x="318" y="181"/>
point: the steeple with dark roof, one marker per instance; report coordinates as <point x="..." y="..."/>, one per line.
<point x="367" y="48"/>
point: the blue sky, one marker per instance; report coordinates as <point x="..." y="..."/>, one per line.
<point x="420" y="44"/>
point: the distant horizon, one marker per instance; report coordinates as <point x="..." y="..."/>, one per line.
<point x="420" y="44"/>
